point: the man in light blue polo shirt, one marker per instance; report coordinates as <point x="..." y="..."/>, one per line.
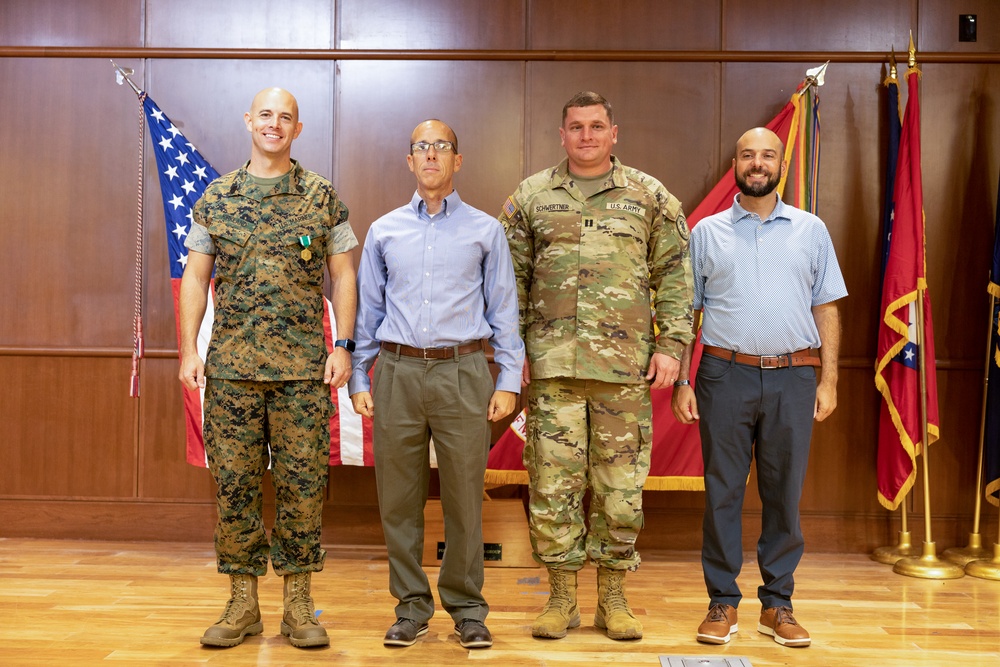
<point x="766" y="280"/>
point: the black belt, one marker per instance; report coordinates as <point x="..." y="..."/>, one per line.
<point x="433" y="352"/>
<point x="807" y="357"/>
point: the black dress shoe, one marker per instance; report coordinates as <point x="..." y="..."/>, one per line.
<point x="404" y="632"/>
<point x="473" y="634"/>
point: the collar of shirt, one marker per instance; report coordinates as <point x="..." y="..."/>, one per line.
<point x="739" y="212"/>
<point x="244" y="186"/>
<point x="562" y="179"/>
<point x="450" y="204"/>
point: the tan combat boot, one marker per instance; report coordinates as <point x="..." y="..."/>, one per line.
<point x="241" y="617"/>
<point x="613" y="613"/>
<point x="299" y="623"/>
<point x="561" y="611"/>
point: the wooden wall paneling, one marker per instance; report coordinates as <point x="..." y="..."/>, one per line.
<point x="163" y="472"/>
<point x="68" y="427"/>
<point x="939" y="26"/>
<point x="666" y="115"/>
<point x="953" y="457"/>
<point x="351" y="514"/>
<point x="74" y="519"/>
<point x="379" y="104"/>
<point x="206" y="100"/>
<point x="250" y="24"/>
<point x="841" y="476"/>
<point x="69" y="232"/>
<point x="842" y="25"/>
<point x="688" y="25"/>
<point x="431" y="24"/>
<point x="78" y="23"/>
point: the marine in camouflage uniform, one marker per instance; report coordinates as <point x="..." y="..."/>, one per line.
<point x="269" y="237"/>
<point x="587" y="253"/>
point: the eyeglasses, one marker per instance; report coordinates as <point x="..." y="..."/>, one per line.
<point x="439" y="146"/>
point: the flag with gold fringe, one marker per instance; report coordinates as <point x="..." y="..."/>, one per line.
<point x="676" y="463"/>
<point x="900" y="339"/>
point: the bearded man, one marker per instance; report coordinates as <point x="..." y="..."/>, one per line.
<point x="766" y="280"/>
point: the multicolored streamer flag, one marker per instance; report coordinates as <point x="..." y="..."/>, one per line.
<point x="676" y="463"/>
<point x="991" y="431"/>
<point x="184" y="174"/>
<point x="897" y="370"/>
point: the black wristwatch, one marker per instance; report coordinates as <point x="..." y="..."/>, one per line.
<point x="345" y="343"/>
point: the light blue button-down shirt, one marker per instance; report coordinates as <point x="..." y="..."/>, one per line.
<point x="437" y="281"/>
<point x="756" y="281"/>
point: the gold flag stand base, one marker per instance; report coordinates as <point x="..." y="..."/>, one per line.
<point x="986" y="569"/>
<point x="928" y="566"/>
<point x="903" y="549"/>
<point x="963" y="556"/>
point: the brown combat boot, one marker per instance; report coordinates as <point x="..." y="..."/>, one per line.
<point x="299" y="623"/>
<point x="241" y="617"/>
<point x="561" y="611"/>
<point x="613" y="613"/>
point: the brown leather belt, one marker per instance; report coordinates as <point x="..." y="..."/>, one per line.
<point x="433" y="352"/>
<point x="807" y="357"/>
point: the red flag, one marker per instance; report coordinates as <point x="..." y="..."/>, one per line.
<point x="676" y="463"/>
<point x="897" y="370"/>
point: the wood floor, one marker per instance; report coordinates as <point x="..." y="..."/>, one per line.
<point x="87" y="603"/>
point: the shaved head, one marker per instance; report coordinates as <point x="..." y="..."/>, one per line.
<point x="275" y="97"/>
<point x="760" y="136"/>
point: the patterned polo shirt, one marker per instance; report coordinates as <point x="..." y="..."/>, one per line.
<point x="756" y="281"/>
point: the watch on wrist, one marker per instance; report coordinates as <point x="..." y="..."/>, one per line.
<point x="345" y="343"/>
<point x="682" y="383"/>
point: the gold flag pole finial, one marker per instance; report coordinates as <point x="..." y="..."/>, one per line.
<point x="892" y="64"/>
<point x="911" y="59"/>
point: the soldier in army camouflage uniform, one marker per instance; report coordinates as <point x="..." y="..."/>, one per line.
<point x="589" y="238"/>
<point x="268" y="229"/>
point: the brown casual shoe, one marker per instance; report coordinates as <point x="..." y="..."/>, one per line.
<point x="719" y="625"/>
<point x="404" y="632"/>
<point x="780" y="624"/>
<point x="473" y="634"/>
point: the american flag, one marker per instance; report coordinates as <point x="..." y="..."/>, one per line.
<point x="184" y="174"/>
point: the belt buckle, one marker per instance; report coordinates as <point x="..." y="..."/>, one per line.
<point x="423" y="353"/>
<point x="777" y="361"/>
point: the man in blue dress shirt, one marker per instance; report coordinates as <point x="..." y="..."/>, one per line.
<point x="435" y="281"/>
<point x="767" y="281"/>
